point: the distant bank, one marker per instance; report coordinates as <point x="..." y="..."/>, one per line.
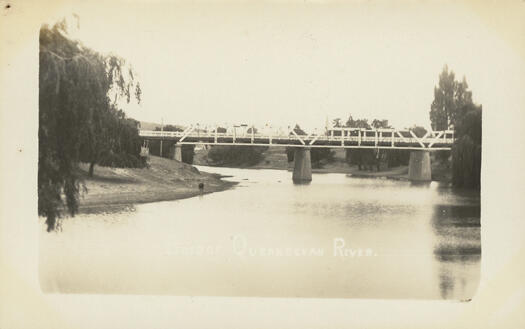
<point x="275" y="158"/>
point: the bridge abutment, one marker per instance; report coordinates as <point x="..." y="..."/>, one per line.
<point x="302" y="171"/>
<point x="419" y="166"/>
<point x="177" y="152"/>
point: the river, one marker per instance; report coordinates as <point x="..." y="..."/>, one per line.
<point x="335" y="237"/>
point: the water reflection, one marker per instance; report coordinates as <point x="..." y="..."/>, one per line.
<point x="421" y="184"/>
<point x="458" y="249"/>
<point x="301" y="182"/>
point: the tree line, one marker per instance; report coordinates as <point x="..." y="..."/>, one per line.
<point x="364" y="159"/>
<point x="370" y="159"/>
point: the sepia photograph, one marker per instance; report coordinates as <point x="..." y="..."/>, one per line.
<point x="213" y="164"/>
<point x="289" y="151"/>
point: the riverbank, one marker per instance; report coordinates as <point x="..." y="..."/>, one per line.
<point x="164" y="180"/>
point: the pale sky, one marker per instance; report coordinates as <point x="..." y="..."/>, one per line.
<point x="299" y="63"/>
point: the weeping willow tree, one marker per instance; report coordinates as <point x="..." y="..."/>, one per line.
<point x="79" y="93"/>
<point x="466" y="151"/>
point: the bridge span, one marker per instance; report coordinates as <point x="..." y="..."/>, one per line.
<point x="336" y="137"/>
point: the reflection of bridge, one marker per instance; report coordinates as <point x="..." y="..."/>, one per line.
<point x="243" y="135"/>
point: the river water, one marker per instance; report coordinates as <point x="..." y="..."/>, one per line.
<point x="335" y="237"/>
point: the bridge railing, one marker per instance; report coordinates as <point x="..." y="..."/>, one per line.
<point x="238" y="135"/>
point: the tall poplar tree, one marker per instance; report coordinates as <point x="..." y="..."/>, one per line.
<point x="450" y="97"/>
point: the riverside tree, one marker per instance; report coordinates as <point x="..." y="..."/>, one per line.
<point x="79" y="93"/>
<point x="453" y="108"/>
<point x="369" y="158"/>
<point x="466" y="151"/>
<point x="229" y="155"/>
<point x="361" y="157"/>
<point x="450" y="98"/>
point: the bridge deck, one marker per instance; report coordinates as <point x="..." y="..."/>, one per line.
<point x="333" y="138"/>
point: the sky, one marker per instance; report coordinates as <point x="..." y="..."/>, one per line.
<point x="296" y="62"/>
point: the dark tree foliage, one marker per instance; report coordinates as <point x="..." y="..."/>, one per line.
<point x="370" y="159"/>
<point x="225" y="155"/>
<point x="450" y="96"/>
<point x="321" y="156"/>
<point x="112" y="142"/>
<point x="298" y="130"/>
<point x="470" y="123"/>
<point x="395" y="158"/>
<point x="380" y="124"/>
<point x="363" y="158"/>
<point x="401" y="157"/>
<point x="78" y="93"/>
<point x="318" y="156"/>
<point x="419" y="131"/>
<point x="453" y="108"/>
<point x="466" y="151"/>
<point x="124" y="144"/>
<point x="169" y="128"/>
<point x="359" y="123"/>
<point x="337" y="123"/>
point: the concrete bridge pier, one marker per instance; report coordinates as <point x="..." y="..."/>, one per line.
<point x="177" y="152"/>
<point x="419" y="166"/>
<point x="302" y="172"/>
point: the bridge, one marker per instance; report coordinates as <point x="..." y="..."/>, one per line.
<point x="335" y="137"/>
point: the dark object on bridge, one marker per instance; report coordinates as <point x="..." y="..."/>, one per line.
<point x="201" y="187"/>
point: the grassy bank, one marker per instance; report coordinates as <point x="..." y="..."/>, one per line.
<point x="115" y="188"/>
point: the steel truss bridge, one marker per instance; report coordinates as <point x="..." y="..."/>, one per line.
<point x="336" y="137"/>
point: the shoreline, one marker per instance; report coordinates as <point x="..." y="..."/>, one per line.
<point x="116" y="189"/>
<point x="120" y="201"/>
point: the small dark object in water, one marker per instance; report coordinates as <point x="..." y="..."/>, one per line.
<point x="201" y="187"/>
